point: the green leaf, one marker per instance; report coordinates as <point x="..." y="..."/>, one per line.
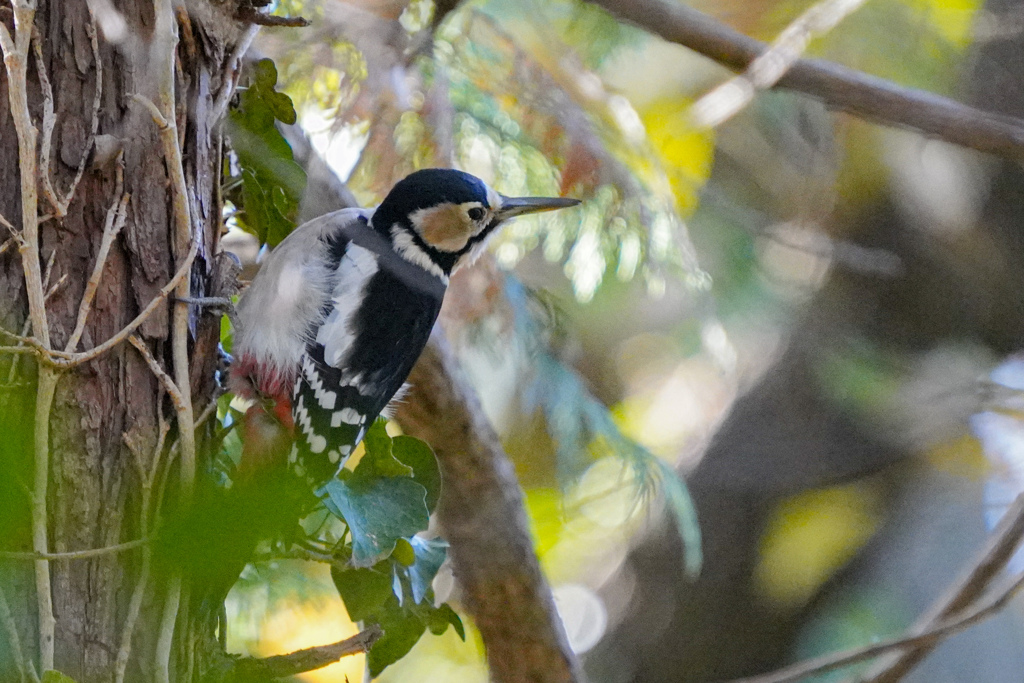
<point x="420" y="457"/>
<point x="401" y="631"/>
<point x="430" y="555"/>
<point x="272" y="183"/>
<point x="265" y="74"/>
<point x="282" y="107"/>
<point x="404" y="553"/>
<point x="378" y="513"/>
<point x="54" y="676"/>
<point x="364" y="591"/>
<point x="438" y="621"/>
<point x="379" y="460"/>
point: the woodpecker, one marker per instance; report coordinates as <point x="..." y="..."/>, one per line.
<point x="340" y="311"/>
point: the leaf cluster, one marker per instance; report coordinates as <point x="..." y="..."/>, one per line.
<point x="386" y="501"/>
<point x="265" y="183"/>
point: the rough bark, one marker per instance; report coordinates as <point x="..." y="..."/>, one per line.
<point x="96" y="490"/>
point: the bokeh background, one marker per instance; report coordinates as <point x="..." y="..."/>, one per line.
<point x="812" y="320"/>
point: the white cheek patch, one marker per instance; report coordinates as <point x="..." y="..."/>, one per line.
<point x="357" y="267"/>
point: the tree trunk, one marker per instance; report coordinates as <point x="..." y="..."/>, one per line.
<point x="105" y="422"/>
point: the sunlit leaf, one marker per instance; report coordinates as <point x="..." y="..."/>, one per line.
<point x="379" y="460"/>
<point x="53" y="676"/>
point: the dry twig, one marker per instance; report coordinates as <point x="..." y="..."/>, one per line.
<point x="301" y="661"/>
<point x="74" y="554"/>
<point x="116" y="216"/>
<point x="146" y="479"/>
<point x="172" y="389"/>
<point x="67" y="360"/>
<point x="163" y="114"/>
<point x="15" y="51"/>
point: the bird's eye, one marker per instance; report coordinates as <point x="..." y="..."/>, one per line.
<point x="476" y="213"/>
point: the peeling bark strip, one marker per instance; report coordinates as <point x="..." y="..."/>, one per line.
<point x="482" y="516"/>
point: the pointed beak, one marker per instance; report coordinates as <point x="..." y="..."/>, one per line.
<point x="517" y="206"/>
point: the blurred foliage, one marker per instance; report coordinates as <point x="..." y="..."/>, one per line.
<point x="582" y="428"/>
<point x="810" y="535"/>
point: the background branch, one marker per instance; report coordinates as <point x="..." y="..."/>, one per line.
<point x="838" y="87"/>
<point x="729" y="98"/>
<point x="994" y="557"/>
<point x="926" y="639"/>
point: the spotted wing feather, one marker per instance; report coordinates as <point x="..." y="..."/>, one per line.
<point x="373" y="329"/>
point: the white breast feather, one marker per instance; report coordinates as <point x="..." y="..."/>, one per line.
<point x="336" y="333"/>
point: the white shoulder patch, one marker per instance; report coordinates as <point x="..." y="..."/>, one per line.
<point x="357" y="266"/>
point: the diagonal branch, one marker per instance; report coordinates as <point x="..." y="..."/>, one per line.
<point x="159" y="372"/>
<point x="837" y="86"/>
<point x="928" y="638"/>
<point x="997" y="553"/>
<point x="70" y="360"/>
<point x="74" y="554"/>
<point x="482" y="517"/>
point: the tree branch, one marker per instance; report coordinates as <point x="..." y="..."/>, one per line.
<point x="254" y="16"/>
<point x="169" y="386"/>
<point x="729" y="98"/>
<point x="70" y="360"/>
<point x="482" y="517"/>
<point x="165" y="40"/>
<point x="928" y="638"/>
<point x="997" y="553"/>
<point x="301" y="661"/>
<point x="838" y="87"/>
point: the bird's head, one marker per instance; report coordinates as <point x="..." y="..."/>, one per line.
<point x="441" y="218"/>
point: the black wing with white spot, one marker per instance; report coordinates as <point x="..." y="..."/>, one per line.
<point x="373" y="330"/>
